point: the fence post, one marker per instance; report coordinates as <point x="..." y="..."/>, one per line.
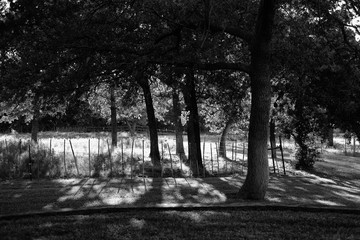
<point x="75" y="159"/>
<point x="243" y="158"/>
<point x="122" y="155"/>
<point x="171" y="163"/>
<point x="272" y="155"/>
<point x="354" y="149"/>
<point x="217" y="157"/>
<point x="98" y="147"/>
<point x="131" y="160"/>
<point x="203" y="157"/>
<point x="109" y="151"/>
<point x="30" y="162"/>
<point x="89" y="158"/>
<point x="345" y="145"/>
<point x="204" y="148"/>
<point x="282" y="155"/>
<point x="211" y="159"/>
<point x="65" y="171"/>
<point x="143" y="159"/>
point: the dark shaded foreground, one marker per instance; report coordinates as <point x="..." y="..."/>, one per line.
<point x="195" y="224"/>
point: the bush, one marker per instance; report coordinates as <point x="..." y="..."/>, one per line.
<point x="14" y="161"/>
<point x="306" y="156"/>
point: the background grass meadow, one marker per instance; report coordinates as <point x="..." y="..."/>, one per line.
<point x="73" y="154"/>
<point x="90" y="154"/>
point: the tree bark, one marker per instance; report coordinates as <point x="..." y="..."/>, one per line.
<point x="178" y="125"/>
<point x="193" y="128"/>
<point x="257" y="178"/>
<point x="222" y="145"/>
<point x="35" y="120"/>
<point x="113" y="116"/>
<point x="154" y="142"/>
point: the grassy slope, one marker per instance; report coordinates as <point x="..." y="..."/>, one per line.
<point x="187" y="225"/>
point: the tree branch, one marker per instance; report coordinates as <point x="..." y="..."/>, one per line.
<point x="223" y="66"/>
<point x="237" y="32"/>
<point x="241" y="67"/>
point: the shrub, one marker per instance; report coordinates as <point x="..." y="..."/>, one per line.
<point x="14" y="161"/>
<point x="306" y="156"/>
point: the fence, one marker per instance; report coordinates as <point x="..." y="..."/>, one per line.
<point x="80" y="157"/>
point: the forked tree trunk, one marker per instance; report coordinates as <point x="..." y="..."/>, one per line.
<point x="132" y="128"/>
<point x="193" y="128"/>
<point x="178" y="125"/>
<point x="222" y="145"/>
<point x="257" y="178"/>
<point x="154" y="142"/>
<point x="113" y="116"/>
<point x="35" y="120"/>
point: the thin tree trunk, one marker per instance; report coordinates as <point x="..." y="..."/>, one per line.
<point x="113" y="116"/>
<point x="257" y="178"/>
<point x="178" y="125"/>
<point x="154" y="143"/>
<point x="35" y="120"/>
<point x="193" y="129"/>
<point x="272" y="138"/>
<point x="330" y="137"/>
<point x="222" y="145"/>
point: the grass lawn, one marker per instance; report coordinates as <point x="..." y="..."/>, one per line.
<point x="224" y="224"/>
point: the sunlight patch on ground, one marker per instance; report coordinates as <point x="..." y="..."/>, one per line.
<point x="137" y="223"/>
<point x="17" y="195"/>
<point x="274" y="199"/>
<point x="197" y="216"/>
<point x="346" y="195"/>
<point x="50" y="206"/>
<point x="329" y="203"/>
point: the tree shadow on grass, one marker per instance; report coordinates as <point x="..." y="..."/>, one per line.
<point x="313" y="191"/>
<point x="67" y="194"/>
<point x="32" y="196"/>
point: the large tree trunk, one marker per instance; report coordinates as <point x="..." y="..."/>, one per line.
<point x="178" y="125"/>
<point x="154" y="143"/>
<point x="257" y="178"/>
<point x="193" y="128"/>
<point x="35" y="120"/>
<point x="113" y="116"/>
<point x="222" y="147"/>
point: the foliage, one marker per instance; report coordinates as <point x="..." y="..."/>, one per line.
<point x="306" y="156"/>
<point x="14" y="161"/>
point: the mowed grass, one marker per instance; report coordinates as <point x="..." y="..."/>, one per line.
<point x="228" y="224"/>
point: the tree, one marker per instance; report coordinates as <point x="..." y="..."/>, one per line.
<point x="193" y="128"/>
<point x="178" y="124"/>
<point x="143" y="81"/>
<point x="225" y="104"/>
